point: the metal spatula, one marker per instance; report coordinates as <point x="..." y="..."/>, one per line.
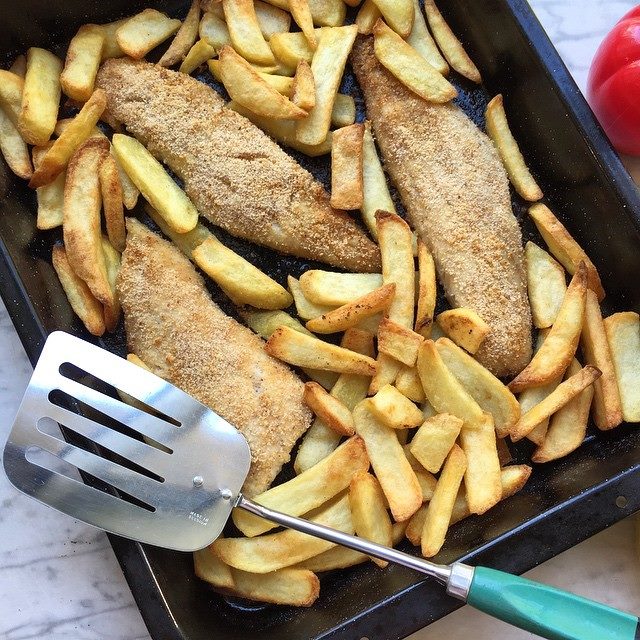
<point x="176" y="489"/>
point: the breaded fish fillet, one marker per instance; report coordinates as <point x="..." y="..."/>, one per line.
<point x="237" y="177"/>
<point x="183" y="336"/>
<point x="456" y="193"/>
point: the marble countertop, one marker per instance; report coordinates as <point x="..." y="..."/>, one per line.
<point x="59" y="579"/>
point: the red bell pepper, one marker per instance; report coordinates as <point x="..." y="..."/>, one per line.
<point x="613" y="88"/>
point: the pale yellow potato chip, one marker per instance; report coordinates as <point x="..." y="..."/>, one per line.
<point x="81" y="64"/>
<point x="245" y="33"/>
<point x="394" y="410"/>
<point x="434" y="440"/>
<point x="184" y="39"/>
<point x="546" y="285"/>
<point x="144" y="32"/>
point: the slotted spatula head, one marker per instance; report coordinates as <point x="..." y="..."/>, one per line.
<point x="167" y="470"/>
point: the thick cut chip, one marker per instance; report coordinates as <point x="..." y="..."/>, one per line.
<point x="310" y="489"/>
<point x="426" y="291"/>
<point x="303" y="90"/>
<point x="330" y="410"/>
<point x="270" y="19"/>
<point x="112" y="263"/>
<point x="50" y="197"/>
<point x="369" y="511"/>
<point x="144" y="32"/>
<point x="301" y="13"/>
<point x="300" y="350"/>
<point x="335" y="289"/>
<point x="623" y="335"/>
<point x="328" y="65"/>
<point x="292" y="587"/>
<point x="367" y="17"/>
<point x="396" y="477"/>
<point x="14" y="149"/>
<point x="112" y="205"/>
<point x="326" y="13"/>
<point x="564" y="248"/>
<point x="559" y="347"/>
<point x="346" y="167"/>
<point x="408" y="384"/>
<point x="208" y="567"/>
<point x="81" y="64"/>
<point x="305" y="308"/>
<point x="395" y="410"/>
<point x="84" y="305"/>
<point x="40" y="96"/>
<point x="199" y="53"/>
<point x="398" y="342"/>
<point x="186" y="242"/>
<point x="546" y="285"/>
<point x="434" y="439"/>
<point x="498" y="130"/>
<point x="130" y="192"/>
<point x="406" y="64"/>
<point x="111" y="48"/>
<point x="450" y="46"/>
<point x="465" y="327"/>
<point x="398" y="14"/>
<point x="420" y="39"/>
<point x="344" y="111"/>
<point x="213" y="30"/>
<point x="155" y="184"/>
<point x="246" y="36"/>
<point x="292" y="48"/>
<point x="185" y="38"/>
<point x="282" y="84"/>
<point x="11" y="87"/>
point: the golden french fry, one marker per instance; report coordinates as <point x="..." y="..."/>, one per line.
<point x="213" y="30"/>
<point x="303" y="351"/>
<point x="186" y="242"/>
<point x="330" y="410"/>
<point x="367" y="17"/>
<point x="440" y="506"/>
<point x="335" y="289"/>
<point x="81" y="64"/>
<point x="420" y="39"/>
<point x="327" y="13"/>
<point x="301" y="13"/>
<point x="491" y="395"/>
<point x="408" y="384"/>
<point x="346" y="167"/>
<point x="19" y="66"/>
<point x="394" y="410"/>
<point x="271" y="19"/>
<point x="184" y="39"/>
<point x="369" y="511"/>
<point x="398" y="342"/>
<point x="81" y="220"/>
<point x="557" y="399"/>
<point x="498" y="130"/>
<point x="351" y="314"/>
<point x="208" y="567"/>
<point x="546" y="285"/>
<point x="144" y="32"/>
<point x="465" y="327"/>
<point x="396" y="477"/>
<point x="426" y="291"/>
<point x="450" y="46"/>
<point x="310" y="489"/>
<point x="303" y="91"/>
<point x="304" y="307"/>
<point x="84" y="305"/>
<point x="282" y="84"/>
<point x="155" y="184"/>
<point x="398" y="14"/>
<point x="564" y="248"/>
<point x="246" y="36"/>
<point x="13" y="148"/>
<point x="199" y="53"/>
<point x="328" y="65"/>
<point x="11" y="87"/>
<point x="40" y="96"/>
<point x="623" y="335"/>
<point x="434" y="439"/>
<point x="387" y="369"/>
<point x="293" y="587"/>
<point x="74" y="134"/>
<point x="292" y="48"/>
<point x="130" y="192"/>
<point x="112" y="263"/>
<point x="111" y="48"/>
<point x="607" y="408"/>
<point x="274" y="551"/>
<point x="344" y="111"/>
<point x="111" y="190"/>
<point x="50" y="197"/>
<point x="408" y="66"/>
<point x="554" y="356"/>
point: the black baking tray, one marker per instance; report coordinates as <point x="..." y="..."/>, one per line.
<point x="563" y="503"/>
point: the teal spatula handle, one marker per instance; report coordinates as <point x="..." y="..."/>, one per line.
<point x="548" y="612"/>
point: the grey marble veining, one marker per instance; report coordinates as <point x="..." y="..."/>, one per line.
<point x="59" y="579"/>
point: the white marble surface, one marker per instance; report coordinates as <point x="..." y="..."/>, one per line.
<point x="59" y="579"/>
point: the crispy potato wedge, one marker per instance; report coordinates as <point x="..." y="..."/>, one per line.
<point x="440" y="506"/>
<point x="420" y="39"/>
<point x="426" y="291"/>
<point x="351" y="314"/>
<point x="564" y="248"/>
<point x="74" y="134"/>
<point x="186" y="242"/>
<point x="607" y="407"/>
<point x="557" y="399"/>
<point x="328" y="63"/>
<point x="199" y="53"/>
<point x="246" y="36"/>
<point x="155" y="184"/>
<point x="208" y="567"/>
<point x="408" y="66"/>
<point x="465" y="327"/>
<point x="81" y="64"/>
<point x="246" y="87"/>
<point x="84" y="305"/>
<point x="111" y="48"/>
<point x="335" y="289"/>
<point x="184" y="39"/>
<point x="144" y="32"/>
<point x="271" y="19"/>
<point x="344" y="111"/>
<point x="398" y="342"/>
<point x="11" y="87"/>
<point x="554" y="356"/>
<point x="13" y="148"/>
<point x="304" y="307"/>
<point x="387" y="369"/>
<point x="213" y="30"/>
<point x="367" y="17"/>
<point x="346" y="167"/>
<point x="396" y="477"/>
<point x="50" y="197"/>
<point x="491" y="395"/>
<point x="112" y="263"/>
<point x="326" y="13"/>
<point x="19" y="66"/>
<point x="111" y="191"/>
<point x="130" y="192"/>
<point x="330" y="410"/>
<point x="394" y="410"/>
<point x="398" y="14"/>
<point x="300" y="350"/>
<point x="434" y="440"/>
<point x="282" y="84"/>
<point x="310" y="489"/>
<point x="40" y="96"/>
<point x="623" y="335"/>
<point x="369" y="511"/>
<point x="289" y="586"/>
<point x="450" y="46"/>
<point x="274" y="551"/>
<point x="301" y="13"/>
<point x="546" y="285"/>
<point x="498" y="130"/>
<point x="303" y="91"/>
<point x="292" y="48"/>
<point x="408" y="384"/>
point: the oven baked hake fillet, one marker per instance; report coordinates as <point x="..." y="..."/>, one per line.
<point x="174" y="326"/>
<point x="237" y="176"/>
<point x="456" y="193"/>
